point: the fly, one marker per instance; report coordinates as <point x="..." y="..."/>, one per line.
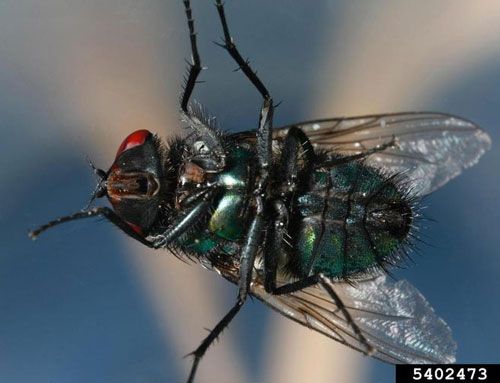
<point x="307" y="218"/>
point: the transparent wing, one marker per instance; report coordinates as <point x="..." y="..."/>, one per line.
<point x="430" y="148"/>
<point x="394" y="318"/>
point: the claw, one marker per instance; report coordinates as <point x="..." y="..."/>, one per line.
<point x="192" y="353"/>
<point x="158" y="241"/>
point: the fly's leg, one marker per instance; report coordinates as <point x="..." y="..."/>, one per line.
<point x="230" y="46"/>
<point x="204" y="131"/>
<point x="105" y="212"/>
<point x="296" y="145"/>
<point x="273" y="247"/>
<point x="185" y="220"/>
<point x="179" y="225"/>
<point x="326" y="284"/>
<point x="194" y="68"/>
<point x="264" y="131"/>
<point x="247" y="260"/>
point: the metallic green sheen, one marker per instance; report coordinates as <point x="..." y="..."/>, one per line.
<point x="342" y="220"/>
<point x="225" y="224"/>
<point x="349" y="219"/>
<point x="225" y="221"/>
<point x="201" y="244"/>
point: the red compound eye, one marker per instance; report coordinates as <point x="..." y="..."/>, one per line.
<point x="134" y="139"/>
<point x="135" y="228"/>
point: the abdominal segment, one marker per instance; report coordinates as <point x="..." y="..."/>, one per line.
<point x="351" y="221"/>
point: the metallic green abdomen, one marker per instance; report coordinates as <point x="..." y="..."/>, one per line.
<point x="352" y="220"/>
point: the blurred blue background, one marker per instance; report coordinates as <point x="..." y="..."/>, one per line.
<point x="83" y="304"/>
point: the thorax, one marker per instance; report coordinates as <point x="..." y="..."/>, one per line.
<point x="224" y="225"/>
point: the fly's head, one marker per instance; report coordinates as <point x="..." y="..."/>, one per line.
<point x="133" y="182"/>
<point x="139" y="185"/>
